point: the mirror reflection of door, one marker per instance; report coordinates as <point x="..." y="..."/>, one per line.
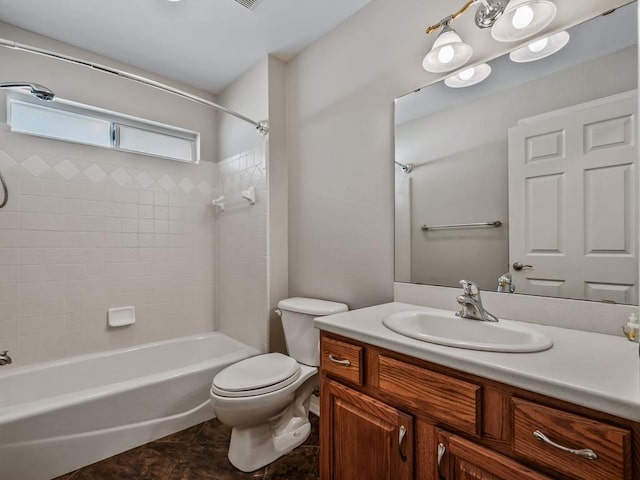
<point x="573" y="201"/>
<point x="581" y="183"/>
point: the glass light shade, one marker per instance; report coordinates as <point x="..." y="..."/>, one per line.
<point x="468" y="77"/>
<point x="538" y="45"/>
<point x="540" y="49"/>
<point x="522" y="19"/>
<point x="448" y="53"/>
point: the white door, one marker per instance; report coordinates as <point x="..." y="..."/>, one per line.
<point x="573" y="202"/>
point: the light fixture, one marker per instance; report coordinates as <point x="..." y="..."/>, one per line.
<point x="469" y="76"/>
<point x="540" y="48"/>
<point x="522" y="19"/>
<point x="509" y="20"/>
<point x="448" y="53"/>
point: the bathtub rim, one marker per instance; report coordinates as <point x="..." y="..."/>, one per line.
<point x="45" y="405"/>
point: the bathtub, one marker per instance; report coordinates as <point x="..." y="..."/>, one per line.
<point x="59" y="416"/>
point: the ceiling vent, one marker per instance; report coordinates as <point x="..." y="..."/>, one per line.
<point x="248" y="4"/>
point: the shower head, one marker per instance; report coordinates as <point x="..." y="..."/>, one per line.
<point x="38" y="91"/>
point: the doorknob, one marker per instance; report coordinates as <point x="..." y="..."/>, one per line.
<point x="519" y="266"/>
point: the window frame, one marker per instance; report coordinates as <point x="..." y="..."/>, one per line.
<point x="115" y="119"/>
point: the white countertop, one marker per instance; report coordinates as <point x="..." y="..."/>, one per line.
<point x="597" y="371"/>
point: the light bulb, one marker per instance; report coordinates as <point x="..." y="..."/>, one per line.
<point x="467" y="74"/>
<point x="446" y="54"/>
<point x="539" y="45"/>
<point x="522" y="17"/>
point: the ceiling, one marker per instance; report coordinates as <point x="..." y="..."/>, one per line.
<point x="204" y="43"/>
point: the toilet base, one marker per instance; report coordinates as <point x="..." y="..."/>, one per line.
<point x="252" y="448"/>
<point x="256" y="446"/>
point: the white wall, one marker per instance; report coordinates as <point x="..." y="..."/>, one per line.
<point x="278" y="227"/>
<point x="86" y="228"/>
<point x="249" y="94"/>
<point x="340" y="94"/>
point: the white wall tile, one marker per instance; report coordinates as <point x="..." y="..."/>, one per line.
<point x="242" y="302"/>
<point x="79" y="236"/>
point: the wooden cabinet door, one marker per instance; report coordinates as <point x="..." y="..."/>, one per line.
<point x="464" y="460"/>
<point x="363" y="438"/>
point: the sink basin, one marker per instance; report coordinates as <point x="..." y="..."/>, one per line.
<point x="446" y="328"/>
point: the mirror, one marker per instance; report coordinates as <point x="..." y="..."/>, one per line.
<point x="530" y="173"/>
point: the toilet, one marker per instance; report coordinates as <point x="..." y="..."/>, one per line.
<point x="266" y="398"/>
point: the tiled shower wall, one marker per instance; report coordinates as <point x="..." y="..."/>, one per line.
<point x="242" y="305"/>
<point x="86" y="229"/>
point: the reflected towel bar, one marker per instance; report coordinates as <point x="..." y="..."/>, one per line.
<point x="494" y="224"/>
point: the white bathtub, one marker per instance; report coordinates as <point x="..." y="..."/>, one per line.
<point x="58" y="416"/>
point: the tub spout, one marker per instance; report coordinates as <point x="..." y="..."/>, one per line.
<point x="5" y="359"/>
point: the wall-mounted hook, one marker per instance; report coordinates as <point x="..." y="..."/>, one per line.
<point x="249" y="195"/>
<point x="219" y="202"/>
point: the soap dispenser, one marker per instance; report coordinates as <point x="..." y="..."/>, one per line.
<point x="632" y="328"/>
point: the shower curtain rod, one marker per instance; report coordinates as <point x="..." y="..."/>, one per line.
<point x="406" y="168"/>
<point x="262" y="126"/>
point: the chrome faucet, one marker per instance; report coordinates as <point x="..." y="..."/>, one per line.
<point x="505" y="283"/>
<point x="472" y="303"/>
<point x="5" y="359"/>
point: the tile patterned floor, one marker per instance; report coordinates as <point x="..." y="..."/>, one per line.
<point x="200" y="453"/>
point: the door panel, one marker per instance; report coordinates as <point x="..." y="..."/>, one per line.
<point x="352" y="455"/>
<point x="573" y="201"/>
<point x="362" y="437"/>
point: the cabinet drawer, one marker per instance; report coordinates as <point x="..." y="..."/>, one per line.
<point x="453" y="402"/>
<point x="470" y="461"/>
<point x="342" y="360"/>
<point x="611" y="445"/>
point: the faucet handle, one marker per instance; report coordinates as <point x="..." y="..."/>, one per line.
<point x="469" y="287"/>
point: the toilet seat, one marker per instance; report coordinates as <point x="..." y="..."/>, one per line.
<point x="256" y="376"/>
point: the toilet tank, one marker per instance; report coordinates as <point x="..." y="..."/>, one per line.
<point x="297" y="321"/>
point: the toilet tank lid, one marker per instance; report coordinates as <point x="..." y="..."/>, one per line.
<point x="311" y="306"/>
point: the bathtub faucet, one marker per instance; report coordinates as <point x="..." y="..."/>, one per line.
<point x="5" y="359"/>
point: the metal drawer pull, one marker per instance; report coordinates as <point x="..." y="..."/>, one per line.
<point x="585" y="452"/>
<point x="401" y="437"/>
<point x="441" y="451"/>
<point x="335" y="359"/>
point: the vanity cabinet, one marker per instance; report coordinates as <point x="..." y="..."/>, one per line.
<point x="465" y="460"/>
<point x="366" y="438"/>
<point x="385" y="415"/>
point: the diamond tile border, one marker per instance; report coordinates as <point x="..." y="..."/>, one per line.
<point x="95" y="173"/>
<point x="244" y="170"/>
<point x="121" y="177"/>
<point x="144" y="180"/>
<point x="166" y="183"/>
<point x="35" y="166"/>
<point x="66" y="169"/>
<point x="6" y="162"/>
<point x="186" y="185"/>
<point x="79" y="170"/>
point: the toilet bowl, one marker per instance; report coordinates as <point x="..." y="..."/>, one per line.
<point x="266" y="398"/>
